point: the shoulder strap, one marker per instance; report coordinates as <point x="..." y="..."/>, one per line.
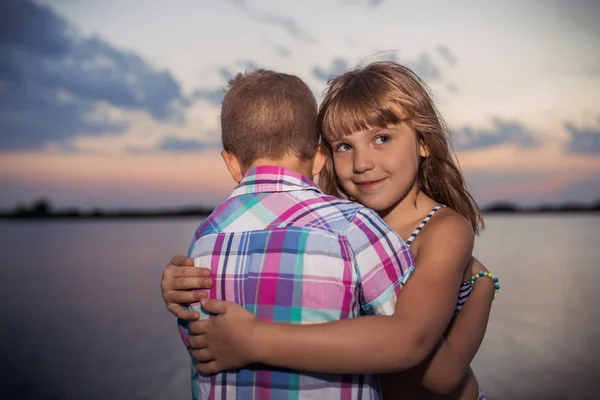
<point x="423" y="223"/>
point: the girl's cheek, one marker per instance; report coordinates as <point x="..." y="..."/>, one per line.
<point x="340" y="163"/>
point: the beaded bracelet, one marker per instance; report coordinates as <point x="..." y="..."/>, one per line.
<point x="489" y="275"/>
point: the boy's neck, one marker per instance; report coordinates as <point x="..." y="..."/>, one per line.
<point x="303" y="167"/>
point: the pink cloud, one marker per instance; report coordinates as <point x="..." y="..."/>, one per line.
<point x="171" y="178"/>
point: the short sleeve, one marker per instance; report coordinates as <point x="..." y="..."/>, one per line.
<point x="383" y="261"/>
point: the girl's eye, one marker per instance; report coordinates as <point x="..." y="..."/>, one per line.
<point x="382" y="139"/>
<point x="343" y="147"/>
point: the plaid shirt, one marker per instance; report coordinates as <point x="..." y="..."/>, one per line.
<point x="288" y="253"/>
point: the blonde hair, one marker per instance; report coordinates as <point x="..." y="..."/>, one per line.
<point x="384" y="94"/>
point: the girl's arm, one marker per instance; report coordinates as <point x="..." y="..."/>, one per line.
<point x="370" y="344"/>
<point x="449" y="364"/>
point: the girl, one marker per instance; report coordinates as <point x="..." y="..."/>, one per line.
<point x="388" y="149"/>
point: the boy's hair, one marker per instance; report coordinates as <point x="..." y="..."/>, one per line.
<point x="267" y="114"/>
<point x="385" y="94"/>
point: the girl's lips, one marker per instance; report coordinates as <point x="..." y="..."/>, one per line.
<point x="369" y="184"/>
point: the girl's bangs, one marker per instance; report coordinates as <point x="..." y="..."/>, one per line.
<point x="359" y="109"/>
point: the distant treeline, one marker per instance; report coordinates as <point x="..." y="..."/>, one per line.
<point x="41" y="209"/>
<point x="506" y="207"/>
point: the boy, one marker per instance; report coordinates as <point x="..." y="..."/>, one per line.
<point x="284" y="250"/>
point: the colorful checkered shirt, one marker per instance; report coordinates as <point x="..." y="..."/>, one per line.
<point x="288" y="253"/>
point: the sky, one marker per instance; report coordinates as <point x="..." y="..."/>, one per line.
<point x="111" y="104"/>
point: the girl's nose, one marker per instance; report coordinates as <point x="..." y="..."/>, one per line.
<point x="362" y="161"/>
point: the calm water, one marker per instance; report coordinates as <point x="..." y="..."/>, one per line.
<point x="82" y="316"/>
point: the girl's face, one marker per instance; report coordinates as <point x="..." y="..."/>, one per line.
<point x="378" y="167"/>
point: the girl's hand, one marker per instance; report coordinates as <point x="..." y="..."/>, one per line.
<point x="181" y="284"/>
<point x="225" y="341"/>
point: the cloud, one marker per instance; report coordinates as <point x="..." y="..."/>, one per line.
<point x="214" y="95"/>
<point x="375" y="3"/>
<point x="533" y="187"/>
<point x="584" y="140"/>
<point x="522" y="187"/>
<point x="447" y="55"/>
<point x="153" y="179"/>
<point x="226" y="74"/>
<point x="248" y="65"/>
<point x="338" y="66"/>
<point x="424" y="66"/>
<point x="282" y="51"/>
<point x="187" y="145"/>
<point x="586" y="188"/>
<point x="52" y="80"/>
<point x="367" y="3"/>
<point x="34" y="116"/>
<point x="278" y="48"/>
<point x="502" y="132"/>
<point x="148" y="135"/>
<point x="290" y="25"/>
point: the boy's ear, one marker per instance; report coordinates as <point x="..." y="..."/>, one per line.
<point x="233" y="165"/>
<point x="319" y="161"/>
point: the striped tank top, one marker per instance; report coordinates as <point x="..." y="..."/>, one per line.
<point x="465" y="287"/>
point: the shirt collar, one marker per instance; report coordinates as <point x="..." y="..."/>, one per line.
<point x="271" y="178"/>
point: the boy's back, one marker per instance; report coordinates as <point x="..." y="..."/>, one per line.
<point x="290" y="254"/>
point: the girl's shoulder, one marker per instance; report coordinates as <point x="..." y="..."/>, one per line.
<point x="446" y="225"/>
<point x="447" y="217"/>
<point x="448" y="222"/>
<point x="445" y="242"/>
